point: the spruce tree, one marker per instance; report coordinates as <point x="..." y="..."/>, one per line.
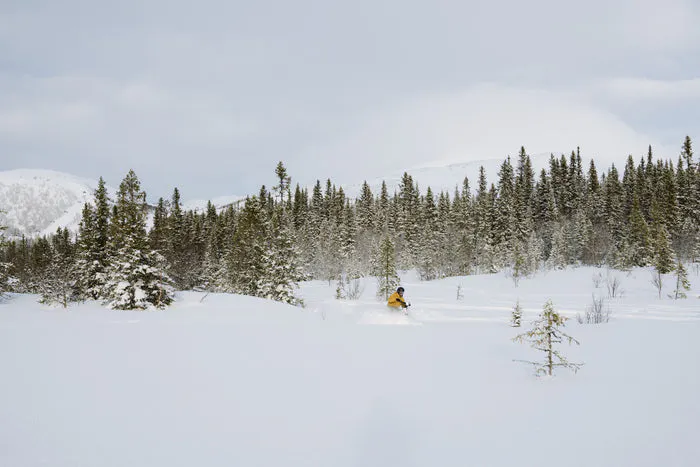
<point x="94" y="254"/>
<point x="429" y="243"/>
<point x="4" y="265"/>
<point x="505" y="219"/>
<point x="89" y="281"/>
<point x="385" y="269"/>
<point x="638" y="236"/>
<point x="516" y="315"/>
<point x="136" y="275"/>
<point x="246" y="258"/>
<point x="176" y="242"/>
<point x="558" y="258"/>
<point x="158" y="236"/>
<point x="682" y="283"/>
<point x="281" y="267"/>
<point x="214" y="267"/>
<point x="544" y="336"/>
<point x="663" y="253"/>
<point x="58" y="281"/>
<point x="282" y="188"/>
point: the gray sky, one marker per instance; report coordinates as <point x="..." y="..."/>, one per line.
<point x="208" y="96"/>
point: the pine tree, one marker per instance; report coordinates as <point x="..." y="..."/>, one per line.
<point x="682" y="283"/>
<point x="505" y="219"/>
<point x="525" y="196"/>
<point x="429" y="243"/>
<point x="517" y="315"/>
<point x="558" y="257"/>
<point x="58" y="281"/>
<point x="4" y="265"/>
<point x="282" y="188"/>
<point x="93" y="249"/>
<point x="544" y="336"/>
<point x="281" y="267"/>
<point x="663" y="253"/>
<point x="246" y="258"/>
<point x="89" y="281"/>
<point x="408" y="225"/>
<point x="158" y="236"/>
<point x="94" y="253"/>
<point x="638" y="236"/>
<point x="176" y="242"/>
<point x="136" y="275"/>
<point x="385" y="269"/>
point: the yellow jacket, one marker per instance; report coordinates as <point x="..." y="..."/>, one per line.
<point x="396" y="301"/>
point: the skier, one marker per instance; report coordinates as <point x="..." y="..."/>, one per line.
<point x="396" y="300"/>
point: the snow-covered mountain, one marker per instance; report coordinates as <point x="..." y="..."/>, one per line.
<point x="200" y="205"/>
<point x="37" y="202"/>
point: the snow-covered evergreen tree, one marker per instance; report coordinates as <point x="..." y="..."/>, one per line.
<point x="682" y="283"/>
<point x="245" y="259"/>
<point x="158" y="236"/>
<point x="136" y="274"/>
<point x="281" y="267"/>
<point x="427" y="258"/>
<point x="57" y="284"/>
<point x="505" y="219"/>
<point x="516" y="315"/>
<point x="663" y="253"/>
<point x="93" y="255"/>
<point x="638" y="237"/>
<point x="4" y="266"/>
<point x="544" y="336"/>
<point x="284" y="181"/>
<point x="558" y="258"/>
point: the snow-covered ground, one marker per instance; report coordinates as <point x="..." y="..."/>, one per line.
<point x="222" y="380"/>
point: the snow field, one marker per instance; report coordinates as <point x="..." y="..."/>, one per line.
<point x="223" y="380"/>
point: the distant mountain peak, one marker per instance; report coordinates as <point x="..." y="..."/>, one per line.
<point x="38" y="201"/>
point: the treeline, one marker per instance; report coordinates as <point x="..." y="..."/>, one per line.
<point x="646" y="214"/>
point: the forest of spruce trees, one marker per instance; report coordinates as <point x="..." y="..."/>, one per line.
<point x="647" y="214"/>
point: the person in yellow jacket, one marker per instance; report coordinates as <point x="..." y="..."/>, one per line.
<point x="396" y="300"/>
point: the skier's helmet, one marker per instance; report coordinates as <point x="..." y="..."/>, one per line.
<point x="400" y="289"/>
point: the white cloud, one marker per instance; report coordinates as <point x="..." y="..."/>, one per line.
<point x="653" y="89"/>
<point x="483" y="122"/>
<point x="95" y="89"/>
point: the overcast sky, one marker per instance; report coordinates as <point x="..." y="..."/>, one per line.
<point x="208" y="96"/>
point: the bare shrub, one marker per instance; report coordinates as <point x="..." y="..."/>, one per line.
<point x="596" y="312"/>
<point x="349" y="289"/>
<point x="658" y="281"/>
<point x="613" y="285"/>
<point x="354" y="289"/>
<point x="597" y="280"/>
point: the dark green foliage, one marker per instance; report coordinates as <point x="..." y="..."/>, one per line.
<point x="136" y="277"/>
<point x="385" y="269"/>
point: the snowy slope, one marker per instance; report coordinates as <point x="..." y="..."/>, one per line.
<point x="220" y="202"/>
<point x="223" y="380"/>
<point x="36" y="202"/>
